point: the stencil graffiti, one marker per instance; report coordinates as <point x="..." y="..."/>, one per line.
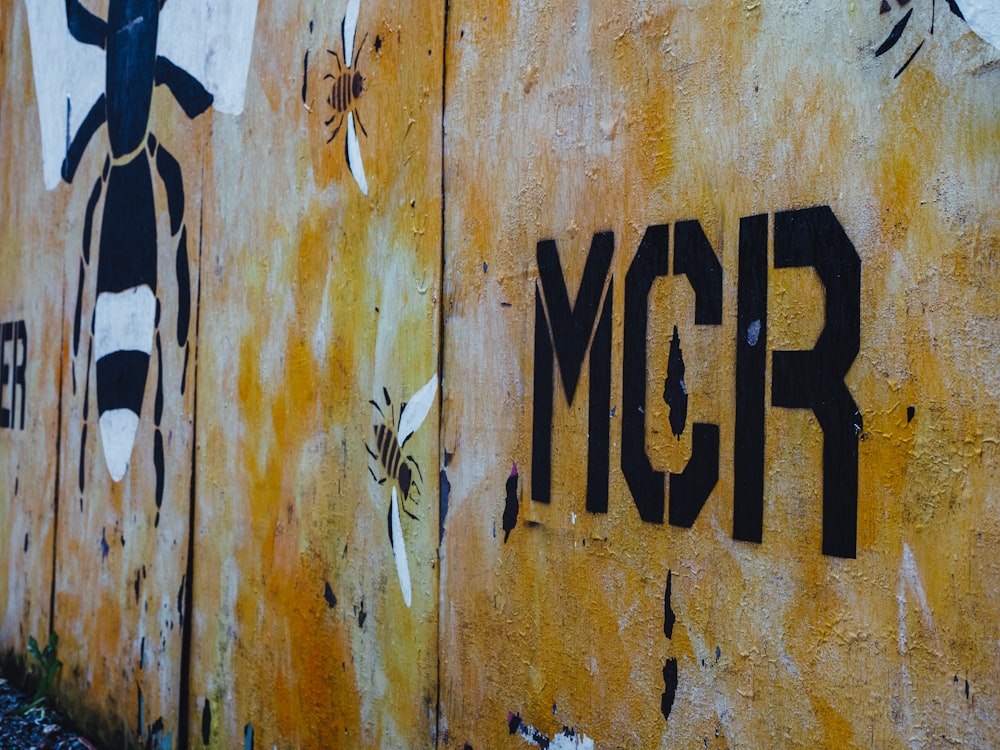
<point x="564" y="334"/>
<point x="346" y="87"/>
<point x="112" y="66"/>
<point x="13" y="368"/>
<point x="402" y="469"/>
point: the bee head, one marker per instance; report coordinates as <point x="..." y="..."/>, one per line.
<point x="405" y="478"/>
<point x="357" y="84"/>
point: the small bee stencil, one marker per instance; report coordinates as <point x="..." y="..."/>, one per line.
<point x="346" y="87"/>
<point x="401" y="471"/>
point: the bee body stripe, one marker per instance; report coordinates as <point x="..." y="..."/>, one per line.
<point x="385" y="444"/>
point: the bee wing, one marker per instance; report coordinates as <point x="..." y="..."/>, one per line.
<point x="354" y="155"/>
<point x="416" y="409"/>
<point x="69" y="79"/>
<point x="211" y="41"/>
<point x="348" y="28"/>
<point x="399" y="548"/>
<point x="983" y="17"/>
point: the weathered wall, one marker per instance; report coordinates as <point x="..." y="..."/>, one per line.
<point x="619" y="118"/>
<point x="706" y="291"/>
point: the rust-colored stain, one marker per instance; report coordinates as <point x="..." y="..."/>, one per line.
<point x="296" y="586"/>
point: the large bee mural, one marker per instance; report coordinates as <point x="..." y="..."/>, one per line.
<point x="111" y="67"/>
<point x="399" y="469"/>
<point x="983" y="17"/>
<point x="346" y="87"/>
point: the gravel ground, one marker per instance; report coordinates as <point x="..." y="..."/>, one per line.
<point x="41" y="730"/>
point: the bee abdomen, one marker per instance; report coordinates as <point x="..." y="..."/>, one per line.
<point x="341" y="95"/>
<point x="123" y="334"/>
<point x="389" y="453"/>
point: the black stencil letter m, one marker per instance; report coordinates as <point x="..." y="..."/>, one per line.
<point x="567" y="332"/>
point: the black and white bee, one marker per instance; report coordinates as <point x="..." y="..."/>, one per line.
<point x="111" y="66"/>
<point x="983" y="17"/>
<point x="126" y="312"/>
<point x="347" y="87"/>
<point x="399" y="468"/>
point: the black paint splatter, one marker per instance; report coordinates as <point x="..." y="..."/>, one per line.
<point x="26" y="541"/>
<point x="136" y="587"/>
<point x="674" y="390"/>
<point x="331" y="599"/>
<point x="445" y="494"/>
<point x="153" y="735"/>
<point x="378" y="43"/>
<point x="513" y="722"/>
<point x="670" y="667"/>
<point x="206" y="723"/>
<point x="512" y="506"/>
<point x="305" y="76"/>
<point x="668" y="613"/>
<point x="911" y="412"/>
<point x="670" y="683"/>
<point x="362" y="615"/>
<point x="104" y="545"/>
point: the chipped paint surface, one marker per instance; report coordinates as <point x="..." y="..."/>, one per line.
<point x="627" y="367"/>
<point x="563" y="121"/>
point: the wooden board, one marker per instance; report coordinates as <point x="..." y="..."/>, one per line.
<point x="30" y="345"/>
<point x="319" y="321"/>
<point x="771" y="185"/>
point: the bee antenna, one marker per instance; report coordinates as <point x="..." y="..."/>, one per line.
<point x="358" y="53"/>
<point x="372" y="402"/>
<point x="385" y="392"/>
<point x="417" y="466"/>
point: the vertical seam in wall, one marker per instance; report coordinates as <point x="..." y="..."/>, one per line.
<point x="55" y="493"/>
<point x="441" y="334"/>
<point x="184" y="694"/>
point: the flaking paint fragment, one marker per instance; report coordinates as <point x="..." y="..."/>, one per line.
<point x="566" y="739"/>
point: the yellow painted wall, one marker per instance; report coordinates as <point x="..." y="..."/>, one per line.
<point x="266" y="601"/>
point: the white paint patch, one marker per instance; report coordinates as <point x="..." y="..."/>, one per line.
<point x="350" y="29"/>
<point x="118" y="428"/>
<point x="124" y="321"/>
<point x="354" y="155"/>
<point x="399" y="549"/>
<point x="416" y="409"/>
<point x="983" y="17"/>
<point x="324" y="324"/>
<point x="212" y="40"/>
<point x="753" y="333"/>
<point x="69" y="78"/>
<point x="909" y="579"/>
